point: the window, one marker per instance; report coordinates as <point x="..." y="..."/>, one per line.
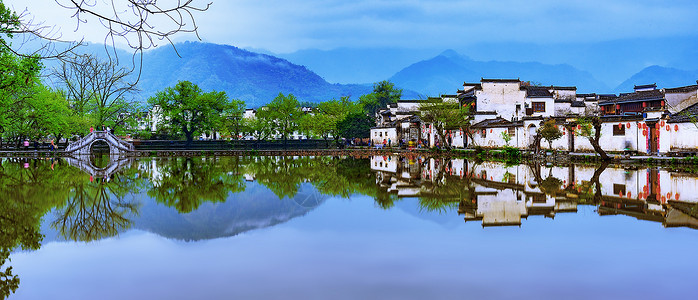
<point x="511" y="131"/>
<point x="618" y="189"/>
<point x="619" y="129"/>
<point x="538" y="106"/>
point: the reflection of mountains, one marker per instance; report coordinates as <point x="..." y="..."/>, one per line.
<point x="256" y="207"/>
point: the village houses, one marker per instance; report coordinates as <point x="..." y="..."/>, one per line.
<point x="646" y="121"/>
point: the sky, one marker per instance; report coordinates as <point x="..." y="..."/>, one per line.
<point x="288" y="26"/>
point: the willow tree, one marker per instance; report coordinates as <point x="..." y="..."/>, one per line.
<point x="445" y="115"/>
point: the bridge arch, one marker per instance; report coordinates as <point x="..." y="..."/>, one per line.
<point x="84" y="146"/>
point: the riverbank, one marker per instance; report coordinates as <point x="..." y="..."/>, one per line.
<point x="492" y="155"/>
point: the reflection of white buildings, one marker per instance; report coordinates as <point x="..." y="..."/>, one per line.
<point x="504" y="195"/>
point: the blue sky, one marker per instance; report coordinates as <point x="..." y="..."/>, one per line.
<point x="287" y="26"/>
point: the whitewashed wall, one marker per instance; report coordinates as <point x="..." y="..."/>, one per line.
<point x="501" y="97"/>
<point x="686" y="138"/>
<point x="380" y="134"/>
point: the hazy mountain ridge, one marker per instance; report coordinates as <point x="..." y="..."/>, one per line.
<point x="445" y="73"/>
<point x="664" y="77"/>
<point x="252" y="77"/>
<point x="610" y="61"/>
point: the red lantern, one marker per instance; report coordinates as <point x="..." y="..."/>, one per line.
<point x="491" y="130"/>
<point x="579" y="127"/>
<point x="676" y="127"/>
<point x="676" y="196"/>
<point x="629" y="194"/>
<point x="656" y="126"/>
<point x="644" y="132"/>
<point x="668" y="128"/>
<point x="620" y="125"/>
<point x="628" y="125"/>
<point x="662" y="123"/>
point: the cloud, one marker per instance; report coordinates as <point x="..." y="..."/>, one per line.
<point x="285" y="26"/>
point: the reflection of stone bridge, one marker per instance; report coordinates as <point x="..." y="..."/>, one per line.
<point x="116" y="163"/>
<point x="116" y="145"/>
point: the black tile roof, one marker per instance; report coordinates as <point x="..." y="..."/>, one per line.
<point x="688" y="114"/>
<point x="563" y="88"/>
<point x="635" y="97"/>
<point x="537" y="92"/>
<point x="646" y="86"/>
<point x="682" y="89"/>
<point x="499" y="80"/>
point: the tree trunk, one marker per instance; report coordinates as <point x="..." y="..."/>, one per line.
<point x="595" y="140"/>
<point x="439" y="133"/>
<point x="597" y="184"/>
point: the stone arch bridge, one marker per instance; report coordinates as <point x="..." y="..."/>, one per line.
<point x="83" y="146"/>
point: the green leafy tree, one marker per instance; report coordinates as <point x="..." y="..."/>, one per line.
<point x="19" y="75"/>
<point x="325" y="120"/>
<point x="232" y="122"/>
<point x="384" y="93"/>
<point x="356" y="125"/>
<point x="285" y="112"/>
<point x="445" y="115"/>
<point x="188" y="110"/>
<point x="260" y="127"/>
<point x="550" y="132"/>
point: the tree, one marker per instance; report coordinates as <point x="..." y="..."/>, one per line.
<point x="285" y="113"/>
<point x="98" y="89"/>
<point x="19" y="76"/>
<point x="261" y="127"/>
<point x="188" y="110"/>
<point x="327" y="116"/>
<point x="384" y="93"/>
<point x="139" y="24"/>
<point x="445" y="115"/>
<point x="550" y="132"/>
<point x="232" y="121"/>
<point x="355" y="125"/>
<point x="590" y="127"/>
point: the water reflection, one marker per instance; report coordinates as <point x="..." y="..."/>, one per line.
<point x="497" y="194"/>
<point x="194" y="198"/>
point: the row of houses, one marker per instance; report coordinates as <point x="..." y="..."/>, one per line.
<point x="648" y="120"/>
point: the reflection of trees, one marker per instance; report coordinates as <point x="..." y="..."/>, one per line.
<point x="28" y="194"/>
<point x="98" y="209"/>
<point x="330" y="175"/>
<point x="188" y="182"/>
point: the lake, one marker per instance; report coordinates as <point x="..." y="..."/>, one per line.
<point x="382" y="227"/>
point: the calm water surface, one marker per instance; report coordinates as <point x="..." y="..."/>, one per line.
<point x="343" y="228"/>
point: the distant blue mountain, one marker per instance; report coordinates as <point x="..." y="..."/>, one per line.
<point x="445" y="73"/>
<point x="252" y="77"/>
<point x="664" y="78"/>
<point x="357" y="65"/>
<point x="611" y="62"/>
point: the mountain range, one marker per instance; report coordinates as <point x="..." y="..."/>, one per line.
<point x="257" y="78"/>
<point x="446" y="72"/>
